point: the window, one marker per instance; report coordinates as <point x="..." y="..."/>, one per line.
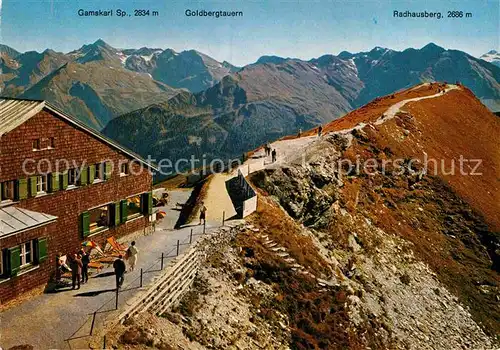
<point x="1" y="264"/>
<point x="42" y="184"/>
<point x="134" y="207"/>
<point x="8" y="190"/>
<point x="99" y="218"/>
<point x="72" y="177"/>
<point x="36" y="144"/>
<point x="26" y="254"/>
<point x="99" y="172"/>
<point x="52" y="142"/>
<point x="124" y="169"/>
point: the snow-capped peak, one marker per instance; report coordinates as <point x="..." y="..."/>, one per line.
<point x="492" y="56"/>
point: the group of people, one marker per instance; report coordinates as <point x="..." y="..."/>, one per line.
<point x="270" y="152"/>
<point x="79" y="266"/>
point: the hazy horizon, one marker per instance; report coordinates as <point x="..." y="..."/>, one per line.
<point x="300" y="29"/>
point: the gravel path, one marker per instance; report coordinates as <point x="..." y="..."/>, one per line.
<point x="49" y="320"/>
<point x="217" y="200"/>
<point x="395" y="108"/>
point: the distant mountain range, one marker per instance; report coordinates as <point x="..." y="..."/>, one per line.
<point x="278" y="96"/>
<point x="98" y="82"/>
<point x="492" y="57"/>
<point x="169" y="104"/>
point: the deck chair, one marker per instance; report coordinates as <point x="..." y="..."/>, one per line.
<point x="96" y="265"/>
<point x="121" y="248"/>
<point x="101" y="257"/>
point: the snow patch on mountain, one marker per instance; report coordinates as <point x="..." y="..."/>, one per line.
<point x="492" y="56"/>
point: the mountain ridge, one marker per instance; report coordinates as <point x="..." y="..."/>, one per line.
<point x="265" y="101"/>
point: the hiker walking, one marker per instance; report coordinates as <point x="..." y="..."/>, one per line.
<point x="76" y="270"/>
<point x="268" y="149"/>
<point x="132" y="252"/>
<point x="85" y="265"/>
<point x="203" y="213"/>
<point x="120" y="268"/>
<point x="273" y="155"/>
<point x="320" y="130"/>
<point x="300" y="132"/>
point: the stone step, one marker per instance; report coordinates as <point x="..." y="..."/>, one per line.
<point x="271" y="245"/>
<point x="283" y="254"/>
<point x="278" y="249"/>
<point x="290" y="260"/>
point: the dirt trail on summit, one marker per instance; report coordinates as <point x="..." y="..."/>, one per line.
<point x="395" y="108"/>
<point x="217" y="199"/>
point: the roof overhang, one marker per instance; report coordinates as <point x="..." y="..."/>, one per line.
<point x="80" y="125"/>
<point x="14" y="112"/>
<point x="14" y="220"/>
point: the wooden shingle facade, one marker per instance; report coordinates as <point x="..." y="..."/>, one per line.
<point x="61" y="183"/>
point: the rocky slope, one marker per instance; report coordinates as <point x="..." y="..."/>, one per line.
<point x="392" y="256"/>
<point x="191" y="70"/>
<point x="22" y="71"/>
<point x="257" y="104"/>
<point x="384" y="71"/>
<point x="98" y="82"/>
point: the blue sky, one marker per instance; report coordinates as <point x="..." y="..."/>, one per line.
<point x="302" y="29"/>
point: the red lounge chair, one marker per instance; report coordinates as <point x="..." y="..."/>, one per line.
<point x="121" y="248"/>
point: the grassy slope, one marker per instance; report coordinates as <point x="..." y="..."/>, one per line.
<point x="452" y="220"/>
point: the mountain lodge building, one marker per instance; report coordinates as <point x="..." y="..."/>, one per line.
<point x="61" y="183"/>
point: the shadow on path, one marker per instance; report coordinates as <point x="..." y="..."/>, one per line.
<point x="237" y="197"/>
<point x="104" y="274"/>
<point x="94" y="293"/>
<point x="189" y="206"/>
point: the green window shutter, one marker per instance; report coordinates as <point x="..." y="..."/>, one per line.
<point x="91" y="173"/>
<point x="14" y="260"/>
<point x="85" y="223"/>
<point x="33" y="186"/>
<point x="42" y="249"/>
<point x="107" y="170"/>
<point x="117" y="214"/>
<point x="150" y="203"/>
<point x="64" y="180"/>
<point x="147" y="203"/>
<point x="84" y="176"/>
<point x="123" y="211"/>
<point x="22" y="189"/>
<point x="144" y="203"/>
<point x="54" y="182"/>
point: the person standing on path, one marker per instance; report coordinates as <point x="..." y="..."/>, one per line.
<point x="132" y="252"/>
<point x="320" y="130"/>
<point x="59" y="267"/>
<point x="203" y="213"/>
<point x="274" y="155"/>
<point x="76" y="270"/>
<point x="85" y="266"/>
<point x="120" y="268"/>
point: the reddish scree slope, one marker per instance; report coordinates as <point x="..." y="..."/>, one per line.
<point x="446" y="127"/>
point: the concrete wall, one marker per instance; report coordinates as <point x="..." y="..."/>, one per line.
<point x="249" y="206"/>
<point x="250" y="201"/>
